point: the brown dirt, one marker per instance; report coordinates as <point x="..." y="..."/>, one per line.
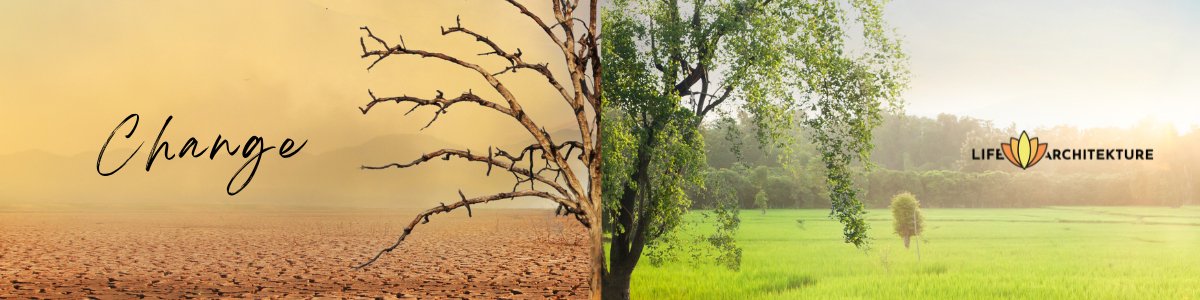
<point x="496" y="254"/>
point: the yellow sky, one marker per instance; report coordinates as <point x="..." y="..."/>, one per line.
<point x="71" y="70"/>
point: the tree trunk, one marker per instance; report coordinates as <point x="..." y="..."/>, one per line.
<point x="906" y="239"/>
<point x="626" y="247"/>
<point x="597" y="237"/>
<point x="616" y="283"/>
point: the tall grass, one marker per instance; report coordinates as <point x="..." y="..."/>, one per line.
<point x="1043" y="253"/>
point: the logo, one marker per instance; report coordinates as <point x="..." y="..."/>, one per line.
<point x="1025" y="152"/>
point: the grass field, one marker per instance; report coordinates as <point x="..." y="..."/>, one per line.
<point x="1040" y="253"/>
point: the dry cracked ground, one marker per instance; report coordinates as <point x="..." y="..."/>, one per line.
<point x="498" y="254"/>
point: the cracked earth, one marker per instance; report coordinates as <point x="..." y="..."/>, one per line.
<point x="498" y="254"/>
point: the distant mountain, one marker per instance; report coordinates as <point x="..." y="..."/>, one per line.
<point x="332" y="179"/>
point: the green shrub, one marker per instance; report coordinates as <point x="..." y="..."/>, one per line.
<point x="906" y="216"/>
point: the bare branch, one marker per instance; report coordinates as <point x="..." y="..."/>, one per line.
<point x="514" y="59"/>
<point x="423" y="217"/>
<point x="540" y="23"/>
<point x="718" y="101"/>
<point x="514" y="107"/>
<point x="569" y="145"/>
<point x="572" y="19"/>
<point x="380" y="41"/>
<point x="572" y="196"/>
<point x="490" y="160"/>
<point x="439" y="101"/>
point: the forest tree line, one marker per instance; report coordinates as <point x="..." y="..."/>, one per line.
<point x="931" y="158"/>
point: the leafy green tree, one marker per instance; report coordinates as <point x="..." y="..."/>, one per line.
<point x="783" y="191"/>
<point x="724" y="214"/>
<point x="760" y="201"/>
<point x="670" y="65"/>
<point x="906" y="216"/>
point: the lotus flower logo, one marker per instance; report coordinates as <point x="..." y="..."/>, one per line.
<point x="1024" y="152"/>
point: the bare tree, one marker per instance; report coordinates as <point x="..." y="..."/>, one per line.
<point x="547" y="167"/>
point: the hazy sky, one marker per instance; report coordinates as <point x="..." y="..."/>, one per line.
<point x="70" y="71"/>
<point x="1036" y="63"/>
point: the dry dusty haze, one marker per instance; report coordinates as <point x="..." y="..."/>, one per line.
<point x="514" y="254"/>
<point x="276" y="69"/>
<point x="70" y="71"/>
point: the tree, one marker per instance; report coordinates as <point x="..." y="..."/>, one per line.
<point x="760" y="201"/>
<point x="547" y="166"/>
<point x="669" y="66"/>
<point x="906" y="216"/>
<point x="760" y="176"/>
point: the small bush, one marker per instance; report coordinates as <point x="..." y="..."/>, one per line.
<point x="906" y="215"/>
<point x="760" y="200"/>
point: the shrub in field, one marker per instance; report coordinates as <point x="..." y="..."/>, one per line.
<point x="906" y="216"/>
<point x="760" y="200"/>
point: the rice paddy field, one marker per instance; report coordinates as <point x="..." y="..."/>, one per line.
<point x="1036" y="253"/>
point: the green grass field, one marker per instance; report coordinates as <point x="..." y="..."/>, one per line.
<point x="1040" y="253"/>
